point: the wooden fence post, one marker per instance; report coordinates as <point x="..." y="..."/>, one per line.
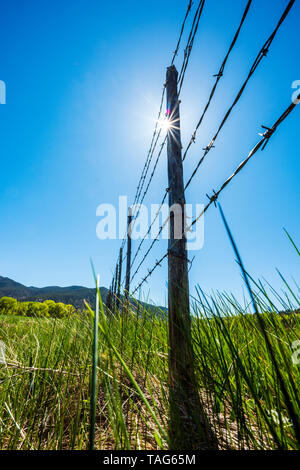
<point x="115" y="288"/>
<point x="108" y="299"/>
<point x="188" y="424"/>
<point x="119" y="277"/>
<point x="128" y="262"/>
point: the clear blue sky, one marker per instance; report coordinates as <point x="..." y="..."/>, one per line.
<point x="84" y="80"/>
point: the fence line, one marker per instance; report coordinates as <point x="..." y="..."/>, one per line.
<point x="266" y="135"/>
<point x="157" y="132"/>
<point x="189" y="46"/>
<point x="219" y="76"/>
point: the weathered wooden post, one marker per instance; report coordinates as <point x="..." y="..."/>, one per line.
<point x="119" y="277"/>
<point x="188" y="425"/>
<point x="108" y="299"/>
<point x="115" y="288"/>
<point x="128" y="261"/>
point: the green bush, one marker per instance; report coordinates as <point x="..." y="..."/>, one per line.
<point x="8" y="306"/>
<point x="46" y="309"/>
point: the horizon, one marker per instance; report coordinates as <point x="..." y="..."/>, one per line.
<point x="81" y="105"/>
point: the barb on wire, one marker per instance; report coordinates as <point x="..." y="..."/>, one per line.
<point x="150" y="248"/>
<point x="149" y="229"/>
<point x="258" y="59"/>
<point x="181" y="31"/>
<point x="219" y="75"/>
<point x="150" y="272"/>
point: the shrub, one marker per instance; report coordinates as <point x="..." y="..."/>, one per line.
<point x="8" y="306"/>
<point x="46" y="309"/>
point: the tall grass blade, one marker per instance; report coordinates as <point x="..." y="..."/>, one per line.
<point x="293" y="415"/>
<point x="94" y="372"/>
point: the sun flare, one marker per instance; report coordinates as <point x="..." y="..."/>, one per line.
<point x="165" y="124"/>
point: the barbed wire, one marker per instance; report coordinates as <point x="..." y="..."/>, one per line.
<point x="219" y="75"/>
<point x="156" y="134"/>
<point x="263" y="142"/>
<point x="152" y="223"/>
<point x="150" y="248"/>
<point x="157" y="131"/>
<point x="157" y="213"/>
<point x="269" y="131"/>
<point x="262" y="53"/>
<point x="151" y="176"/>
<point x="183" y="69"/>
<point x="181" y="31"/>
<point x="150" y="272"/>
<point x="190" y="43"/>
<point x="150" y="227"/>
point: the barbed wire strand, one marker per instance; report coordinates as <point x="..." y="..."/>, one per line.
<point x="150" y="248"/>
<point x="181" y="31"/>
<point x="259" y="57"/>
<point x="261" y="54"/>
<point x="261" y="144"/>
<point x="157" y="213"/>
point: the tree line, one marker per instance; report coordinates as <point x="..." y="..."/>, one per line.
<point x="45" y="309"/>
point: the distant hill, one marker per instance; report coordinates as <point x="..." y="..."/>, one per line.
<point x="74" y="295"/>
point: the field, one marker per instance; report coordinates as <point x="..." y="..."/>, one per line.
<point x="45" y="378"/>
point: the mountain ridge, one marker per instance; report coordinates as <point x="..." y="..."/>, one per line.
<point x="74" y="295"/>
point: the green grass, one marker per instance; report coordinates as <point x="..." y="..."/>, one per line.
<point x="45" y="385"/>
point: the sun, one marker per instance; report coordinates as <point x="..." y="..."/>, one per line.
<point x="165" y="124"/>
